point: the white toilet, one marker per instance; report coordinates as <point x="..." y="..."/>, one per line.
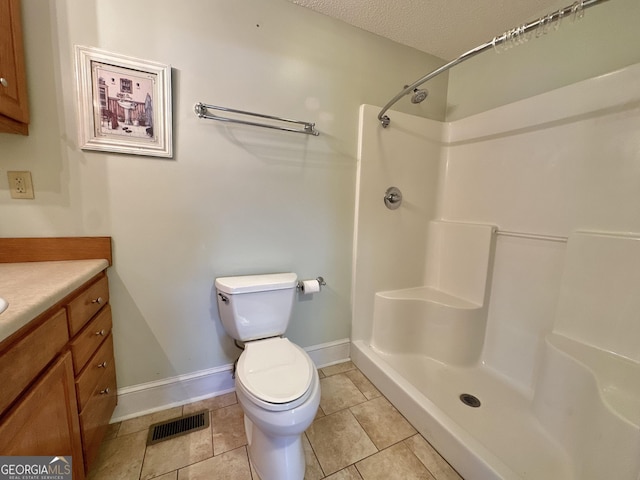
<point x="276" y="381"/>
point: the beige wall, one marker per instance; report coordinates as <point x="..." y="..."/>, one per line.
<point x="234" y="199"/>
<point x="606" y="39"/>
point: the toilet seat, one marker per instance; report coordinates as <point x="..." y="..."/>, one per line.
<point x="275" y="373"/>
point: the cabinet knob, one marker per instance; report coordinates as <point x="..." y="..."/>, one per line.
<point x="3" y="82"/>
<point x="101" y="332"/>
<point x="105" y="391"/>
<point x="102" y="365"/>
<point x="98" y="300"/>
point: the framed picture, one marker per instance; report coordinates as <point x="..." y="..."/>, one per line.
<point x="124" y="104"/>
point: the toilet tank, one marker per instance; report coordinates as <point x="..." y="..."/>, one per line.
<point x="256" y="306"/>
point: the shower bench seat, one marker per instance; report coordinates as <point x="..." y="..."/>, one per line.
<point x="429" y="294"/>
<point x="431" y="322"/>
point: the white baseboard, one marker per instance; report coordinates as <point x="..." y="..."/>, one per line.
<point x="330" y="353"/>
<point x="171" y="392"/>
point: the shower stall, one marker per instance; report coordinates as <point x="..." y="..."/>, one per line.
<point x="497" y="307"/>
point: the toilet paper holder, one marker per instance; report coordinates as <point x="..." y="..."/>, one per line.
<point x="320" y="281"/>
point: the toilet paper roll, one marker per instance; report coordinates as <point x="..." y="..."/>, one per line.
<point x="310" y="286"/>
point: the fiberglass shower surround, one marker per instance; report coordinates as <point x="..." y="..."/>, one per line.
<point x="509" y="274"/>
<point x="496" y="303"/>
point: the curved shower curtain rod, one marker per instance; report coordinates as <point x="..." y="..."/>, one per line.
<point x="513" y="36"/>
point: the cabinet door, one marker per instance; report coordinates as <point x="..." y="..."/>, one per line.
<point x="45" y="422"/>
<point x="14" y="108"/>
<point x="94" y="418"/>
<point x="23" y="361"/>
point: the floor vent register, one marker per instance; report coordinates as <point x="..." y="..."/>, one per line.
<point x="159" y="432"/>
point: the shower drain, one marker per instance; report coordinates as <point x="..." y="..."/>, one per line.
<point x="470" y="400"/>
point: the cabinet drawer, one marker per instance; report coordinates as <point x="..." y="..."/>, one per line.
<point x="25" y="360"/>
<point x="89" y="339"/>
<point x="87" y="304"/>
<point x="95" y="416"/>
<point x="101" y="362"/>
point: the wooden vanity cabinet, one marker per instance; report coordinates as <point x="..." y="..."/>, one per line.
<point x="14" y="108"/>
<point x="59" y="380"/>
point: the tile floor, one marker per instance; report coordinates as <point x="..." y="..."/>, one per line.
<point x="356" y="435"/>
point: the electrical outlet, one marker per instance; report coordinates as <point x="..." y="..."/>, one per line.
<point x="20" y="184"/>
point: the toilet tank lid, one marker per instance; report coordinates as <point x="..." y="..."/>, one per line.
<point x="256" y="283"/>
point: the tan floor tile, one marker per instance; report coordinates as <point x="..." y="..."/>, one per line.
<point x="349" y="473"/>
<point x="231" y="465"/>
<point x="212" y="403"/>
<point x="142" y="423"/>
<point x="167" y="476"/>
<point x="312" y="470"/>
<point x="120" y="457"/>
<point x="394" y="462"/>
<point x="353" y="423"/>
<point x="382" y="422"/>
<point x="364" y="385"/>
<point x="176" y="453"/>
<point x="338" y="392"/>
<point x="338" y="440"/>
<point x="437" y="465"/>
<point x="337" y="368"/>
<point x="227" y="425"/>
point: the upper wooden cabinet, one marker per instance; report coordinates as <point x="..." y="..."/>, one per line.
<point x="14" y="108"/>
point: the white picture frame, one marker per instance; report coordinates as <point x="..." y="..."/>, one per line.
<point x="124" y="103"/>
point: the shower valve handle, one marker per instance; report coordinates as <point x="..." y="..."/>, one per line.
<point x="393" y="198"/>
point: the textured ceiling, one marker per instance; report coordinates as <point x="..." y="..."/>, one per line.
<point x="444" y="28"/>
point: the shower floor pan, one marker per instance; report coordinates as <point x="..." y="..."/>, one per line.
<point x="499" y="440"/>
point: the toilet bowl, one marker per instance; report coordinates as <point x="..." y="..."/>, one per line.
<point x="276" y="381"/>
<point x="274" y="430"/>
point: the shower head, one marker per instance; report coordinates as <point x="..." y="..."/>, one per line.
<point x="419" y="95"/>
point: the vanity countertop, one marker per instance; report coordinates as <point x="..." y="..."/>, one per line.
<point x="32" y="287"/>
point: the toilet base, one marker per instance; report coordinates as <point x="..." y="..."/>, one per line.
<point x="275" y="458"/>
